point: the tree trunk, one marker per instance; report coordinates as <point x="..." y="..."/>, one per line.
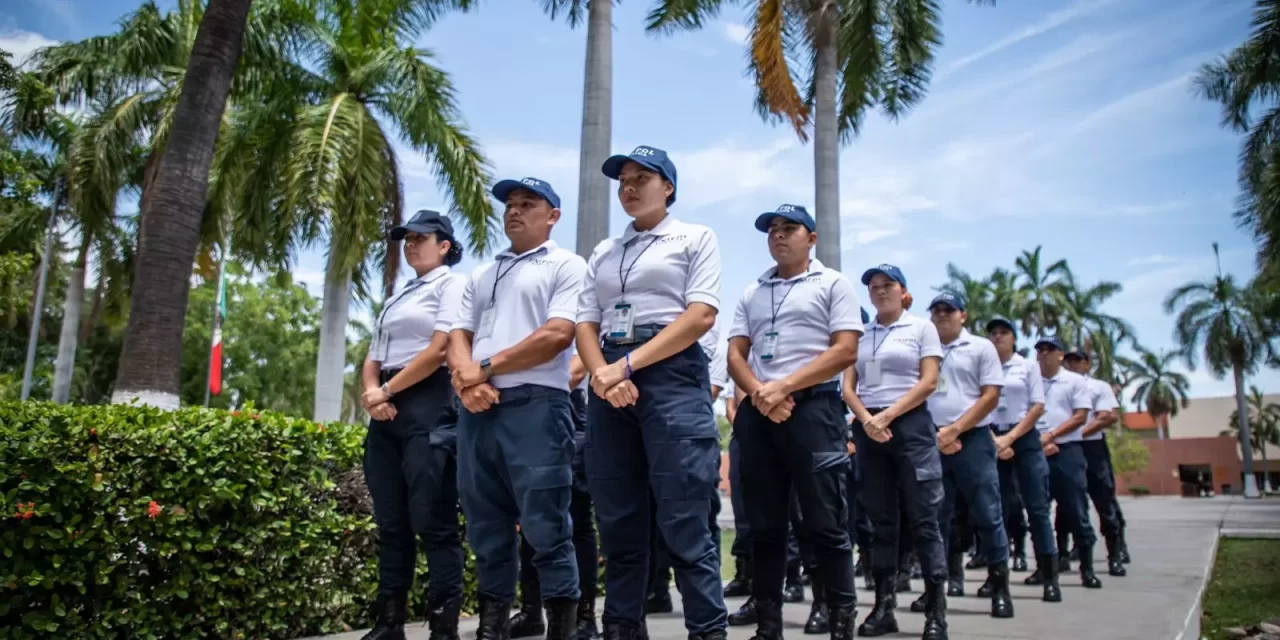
<point x="1266" y="472"/>
<point x="95" y="310"/>
<point x="597" y="129"/>
<point x="37" y="306"/>
<point x="65" y="365"/>
<point x="151" y="358"/>
<point x="331" y="357"/>
<point x="826" y="140"/>
<point x="1242" y="425"/>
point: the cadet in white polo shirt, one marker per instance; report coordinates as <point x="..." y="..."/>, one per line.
<point x="1066" y="408"/>
<point x="1022" y="461"/>
<point x="509" y="352"/>
<point x="1102" y="483"/>
<point x="897" y="448"/>
<point x="794" y="332"/>
<point x="650" y="295"/>
<point x="968" y="393"/>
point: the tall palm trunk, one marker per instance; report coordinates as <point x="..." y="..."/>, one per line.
<point x="597" y="129"/>
<point x="68" y="340"/>
<point x="331" y="357"/>
<point x="95" y="310"/>
<point x="1242" y="425"/>
<point x="826" y="139"/>
<point x="151" y="358"/>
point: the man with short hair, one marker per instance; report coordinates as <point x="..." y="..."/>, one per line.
<point x="1097" y="457"/>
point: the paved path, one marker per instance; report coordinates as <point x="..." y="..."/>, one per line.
<point x="1171" y="541"/>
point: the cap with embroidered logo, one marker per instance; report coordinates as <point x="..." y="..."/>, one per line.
<point x="541" y="187"/>
<point x="651" y="158"/>
<point x="424" y="221"/>
<point x="889" y="271"/>
<point x="949" y="299"/>
<point x="792" y="212"/>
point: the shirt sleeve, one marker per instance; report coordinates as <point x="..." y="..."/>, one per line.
<point x="1106" y="398"/>
<point x="1080" y="396"/>
<point x="703" y="284"/>
<point x="720" y="367"/>
<point x="450" y="301"/>
<point x="930" y="343"/>
<point x="468" y="316"/>
<point x="741" y="326"/>
<point x="844" y="311"/>
<point x="567" y="294"/>
<point x="588" y="303"/>
<point x="990" y="372"/>
<point x="1035" y="386"/>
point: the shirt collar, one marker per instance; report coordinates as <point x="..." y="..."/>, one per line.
<point x="961" y="339"/>
<point x="668" y="225"/>
<point x="906" y="319"/>
<point x="771" y="275"/>
<point x="434" y="274"/>
<point x="549" y="245"/>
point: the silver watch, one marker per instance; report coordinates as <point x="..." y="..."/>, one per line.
<point x="386" y="388"/>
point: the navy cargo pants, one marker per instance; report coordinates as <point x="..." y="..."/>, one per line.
<point x="903" y="475"/>
<point x="1069" y="486"/>
<point x="972" y="472"/>
<point x="1102" y="486"/>
<point x="515" y="466"/>
<point x="741" y="527"/>
<point x="410" y="469"/>
<point x="667" y="443"/>
<point x="1031" y="471"/>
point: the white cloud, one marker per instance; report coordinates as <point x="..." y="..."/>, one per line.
<point x="1048" y="23"/>
<point x="22" y="43"/>
<point x="1146" y="261"/>
<point x="736" y="33"/>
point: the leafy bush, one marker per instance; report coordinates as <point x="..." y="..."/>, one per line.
<point x="133" y="522"/>
<point x="1138" y="491"/>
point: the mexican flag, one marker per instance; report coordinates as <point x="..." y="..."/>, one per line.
<point x="215" y="357"/>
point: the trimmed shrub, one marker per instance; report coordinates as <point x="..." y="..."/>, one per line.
<point x="134" y="522"/>
<point x="1138" y="491"/>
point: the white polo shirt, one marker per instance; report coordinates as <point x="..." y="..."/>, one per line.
<point x="969" y="363"/>
<point x="789" y="321"/>
<point x="508" y="299"/>
<point x="898" y="350"/>
<point x="1023" y="387"/>
<point x="409" y="318"/>
<point x="719" y="367"/>
<point x="665" y="269"/>
<point x="1101" y="398"/>
<point x="1063" y="394"/>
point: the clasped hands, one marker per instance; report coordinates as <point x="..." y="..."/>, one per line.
<point x="378" y="403"/>
<point x="1046" y="442"/>
<point x="471" y="384"/>
<point x="773" y="400"/>
<point x="611" y="383"/>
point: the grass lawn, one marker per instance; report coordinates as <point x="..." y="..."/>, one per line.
<point x="1245" y="587"/>
<point x="727" y="537"/>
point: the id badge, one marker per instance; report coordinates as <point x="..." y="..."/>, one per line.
<point x="1003" y="406"/>
<point x="381" y="346"/>
<point x="942" y="386"/>
<point x="769" y="346"/>
<point x="871" y="373"/>
<point x="486" y="323"/>
<point x="623" y="323"/>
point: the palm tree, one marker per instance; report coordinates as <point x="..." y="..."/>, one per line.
<point x="316" y="159"/>
<point x="976" y="294"/>
<point x="1082" y="323"/>
<point x="1264" y="428"/>
<point x="857" y="55"/>
<point x="1242" y="82"/>
<point x="1160" y="390"/>
<point x="1006" y="297"/>
<point x="1041" y="293"/>
<point x="1216" y="316"/>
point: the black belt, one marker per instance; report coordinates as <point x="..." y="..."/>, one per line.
<point x="386" y="375"/>
<point x="826" y="387"/>
<point x="638" y="334"/>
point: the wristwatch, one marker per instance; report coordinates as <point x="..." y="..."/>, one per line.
<point x="386" y="388"/>
<point x="487" y="368"/>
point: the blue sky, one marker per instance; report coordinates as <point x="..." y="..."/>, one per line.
<point x="1070" y="125"/>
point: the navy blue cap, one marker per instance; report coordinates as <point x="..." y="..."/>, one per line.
<point x="866" y="317"/>
<point x="890" y="271"/>
<point x="1052" y="341"/>
<point x="1000" y="321"/>
<point x="1078" y="352"/>
<point x="424" y="221"/>
<point x="792" y="212"/>
<point x="950" y="299"/>
<point x="503" y="190"/>
<point x="652" y="158"/>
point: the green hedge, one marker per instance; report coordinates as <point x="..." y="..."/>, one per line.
<point x="134" y="522"/>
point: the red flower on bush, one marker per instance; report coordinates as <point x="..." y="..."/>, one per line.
<point x="25" y="511"/>
<point x="320" y="426"/>
<point x="153" y="509"/>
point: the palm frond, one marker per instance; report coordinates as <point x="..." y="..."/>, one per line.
<point x="768" y="66"/>
<point x="669" y="16"/>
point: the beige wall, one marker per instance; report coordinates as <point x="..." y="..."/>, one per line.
<point x="1207" y="418"/>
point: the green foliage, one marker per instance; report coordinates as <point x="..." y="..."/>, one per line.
<point x="132" y="522"/>
<point x="726" y="430"/>
<point x="1139" y="491"/>
<point x="268" y="343"/>
<point x="1128" y="454"/>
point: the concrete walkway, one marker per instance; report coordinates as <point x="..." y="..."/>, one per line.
<point x="1172" y="541"/>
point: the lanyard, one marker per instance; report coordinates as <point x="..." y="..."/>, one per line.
<point x="947" y="354"/>
<point x="493" y="295"/>
<point x="414" y="284"/>
<point x="875" y="346"/>
<point x="623" y="278"/>
<point x="775" y="308"/>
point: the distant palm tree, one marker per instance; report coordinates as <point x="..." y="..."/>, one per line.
<point x="827" y="63"/>
<point x="1006" y="297"/>
<point x="1159" y="390"/>
<point x="976" y="294"/>
<point x="1264" y="428"/>
<point x="1041" y="293"/>
<point x="1216" y="317"/>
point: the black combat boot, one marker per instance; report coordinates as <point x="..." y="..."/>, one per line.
<point x="1124" y="546"/>
<point x="562" y="619"/>
<point x="978" y="561"/>
<point x="528" y="620"/>
<point x="625" y="631"/>
<point x="745" y="615"/>
<point x="495" y="620"/>
<point x="1064" y="560"/>
<point x="881" y="620"/>
<point x="792" y="590"/>
<point x="768" y="620"/>
<point x="861" y="567"/>
<point x="1020" y="553"/>
<point x="819" y="616"/>
<point x="955" y="575"/>
<point x="1087" y="577"/>
<point x="659" y="601"/>
<point x="389" y="614"/>
<point x="935" y="612"/>
<point x="1115" y="566"/>
<point x="842" y="619"/>
<point x="740" y="586"/>
<point x="587" y="629"/>
<point x="443" y="618"/>
<point x="1001" y="600"/>
<point x="1037" y="576"/>
<point x="1047" y="569"/>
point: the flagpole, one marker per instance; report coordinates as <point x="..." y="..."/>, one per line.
<point x="217" y="310"/>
